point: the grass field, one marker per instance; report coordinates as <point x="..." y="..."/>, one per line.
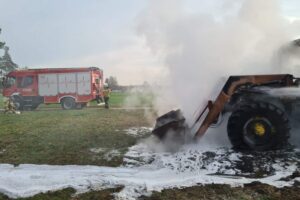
<point x="1" y="101"/>
<point x="87" y="136"/>
<point x="68" y="194"/>
<point x="66" y="137"/>
<point x="70" y="137"/>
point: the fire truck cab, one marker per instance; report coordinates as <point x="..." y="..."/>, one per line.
<point x="71" y="87"/>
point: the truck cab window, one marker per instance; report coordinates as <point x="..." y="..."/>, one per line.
<point x="23" y="82"/>
<point x="9" y="81"/>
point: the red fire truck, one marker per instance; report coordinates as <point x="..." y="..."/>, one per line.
<point x="71" y="87"/>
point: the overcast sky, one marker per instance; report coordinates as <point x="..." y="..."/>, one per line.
<point x="73" y="33"/>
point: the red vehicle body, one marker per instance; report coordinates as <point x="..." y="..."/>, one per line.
<point x="71" y="87"/>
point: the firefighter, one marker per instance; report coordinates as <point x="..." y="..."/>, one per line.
<point x="9" y="106"/>
<point x="106" y="94"/>
<point x="98" y="98"/>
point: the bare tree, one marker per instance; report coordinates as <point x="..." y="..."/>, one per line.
<point x="112" y="82"/>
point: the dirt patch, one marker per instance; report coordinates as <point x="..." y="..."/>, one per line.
<point x="252" y="191"/>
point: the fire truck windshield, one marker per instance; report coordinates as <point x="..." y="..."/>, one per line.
<point x="9" y="81"/>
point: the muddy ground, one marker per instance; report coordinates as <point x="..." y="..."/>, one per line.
<point x="252" y="191"/>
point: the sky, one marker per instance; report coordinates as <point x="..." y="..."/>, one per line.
<point x="102" y="33"/>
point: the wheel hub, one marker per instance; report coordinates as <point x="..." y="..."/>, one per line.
<point x="259" y="129"/>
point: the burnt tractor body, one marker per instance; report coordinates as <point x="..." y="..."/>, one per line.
<point x="259" y="119"/>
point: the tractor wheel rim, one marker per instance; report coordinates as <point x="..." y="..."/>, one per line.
<point x="257" y="131"/>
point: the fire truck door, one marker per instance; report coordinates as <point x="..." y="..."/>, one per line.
<point x="27" y="85"/>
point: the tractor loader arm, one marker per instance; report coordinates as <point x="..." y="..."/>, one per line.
<point x="230" y="87"/>
<point x="174" y="121"/>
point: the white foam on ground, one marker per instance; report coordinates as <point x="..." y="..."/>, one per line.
<point x="138" y="131"/>
<point x="98" y="150"/>
<point x="111" y="154"/>
<point x="144" y="170"/>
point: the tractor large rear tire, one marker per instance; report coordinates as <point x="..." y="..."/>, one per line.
<point x="258" y="126"/>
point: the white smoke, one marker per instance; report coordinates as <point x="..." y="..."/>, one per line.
<point x="201" y="50"/>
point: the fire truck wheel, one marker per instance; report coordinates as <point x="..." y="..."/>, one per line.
<point x="68" y="103"/>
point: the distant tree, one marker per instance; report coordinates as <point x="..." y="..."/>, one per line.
<point x="1" y="43"/>
<point x="112" y="82"/>
<point x="6" y="63"/>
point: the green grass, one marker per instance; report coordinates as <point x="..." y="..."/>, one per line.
<point x="117" y="99"/>
<point x="1" y="101"/>
<point x="66" y="137"/>
<point x="68" y="193"/>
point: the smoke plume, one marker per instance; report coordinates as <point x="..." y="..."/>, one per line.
<point x="201" y="50"/>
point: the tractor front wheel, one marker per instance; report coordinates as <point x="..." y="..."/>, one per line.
<point x="258" y="126"/>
